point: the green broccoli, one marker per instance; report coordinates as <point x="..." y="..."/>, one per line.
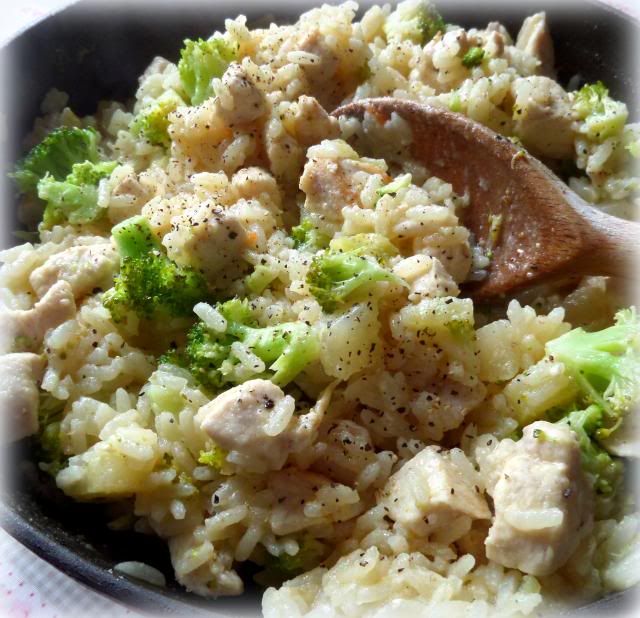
<point x="605" y="470"/>
<point x="473" y="57"/>
<point x="50" y="450"/>
<point x="310" y="554"/>
<point x="285" y="348"/>
<point x="200" y="62"/>
<point x="260" y="278"/>
<point x="333" y="277"/>
<point x="605" y="365"/>
<point x="134" y="237"/>
<point x="415" y="20"/>
<point x="149" y="283"/>
<point x="55" y="155"/>
<point x="375" y="245"/>
<point x="603" y="116"/>
<point x="455" y="102"/>
<point x="214" y="457"/>
<point x="152" y="123"/>
<point x="74" y="199"/>
<point x="307" y="237"/>
<point x="401" y="182"/>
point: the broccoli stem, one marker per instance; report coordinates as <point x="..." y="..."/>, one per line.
<point x="135" y="238"/>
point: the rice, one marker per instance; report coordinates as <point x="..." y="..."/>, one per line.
<point x="409" y="384"/>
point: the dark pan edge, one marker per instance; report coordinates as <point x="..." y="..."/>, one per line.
<point x="150" y="600"/>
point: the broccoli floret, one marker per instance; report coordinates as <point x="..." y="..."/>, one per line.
<point x="602" y="115"/>
<point x="605" y="365"/>
<point x="415" y="20"/>
<point x="260" y="278"/>
<point x="214" y="457"/>
<point x="310" y="554"/>
<point x="56" y="155"/>
<point x="204" y="356"/>
<point x="152" y="122"/>
<point x="375" y="245"/>
<point x="74" y="199"/>
<point x="473" y="57"/>
<point x="605" y="470"/>
<point x="135" y="238"/>
<point x="333" y="277"/>
<point x="50" y="453"/>
<point x="307" y="237"/>
<point x="455" y="102"/>
<point x="401" y="182"/>
<point x="285" y="348"/>
<point x="200" y="62"/>
<point x="149" y="283"/>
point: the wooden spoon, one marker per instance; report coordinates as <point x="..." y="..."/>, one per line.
<point x="547" y="233"/>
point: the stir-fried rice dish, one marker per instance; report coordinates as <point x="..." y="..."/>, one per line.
<point x="242" y="324"/>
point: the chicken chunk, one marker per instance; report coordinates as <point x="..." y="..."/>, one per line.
<point x="209" y="239"/>
<point x="256" y="183"/>
<point x="54" y="308"/>
<point x="434" y="489"/>
<point x="321" y="70"/>
<point x="309" y="123"/>
<point x="304" y="499"/>
<point x="330" y="184"/>
<point x="19" y="397"/>
<point x="542" y="499"/>
<point x="535" y="39"/>
<point x="426" y="276"/>
<point x="239" y="100"/>
<point x="255" y="422"/>
<point x="84" y="268"/>
<point x="543" y="117"/>
<point x="347" y="450"/>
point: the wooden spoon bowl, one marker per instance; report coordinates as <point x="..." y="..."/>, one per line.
<point x="547" y="232"/>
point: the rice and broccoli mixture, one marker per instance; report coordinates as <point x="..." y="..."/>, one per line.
<point x="241" y="325"/>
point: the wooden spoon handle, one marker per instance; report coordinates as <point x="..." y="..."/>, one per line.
<point x="613" y="244"/>
<point x="547" y="233"/>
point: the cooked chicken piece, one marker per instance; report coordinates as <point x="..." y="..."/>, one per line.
<point x="200" y="134"/>
<point x="130" y="186"/>
<point x="19" y="397"/>
<point x="209" y="239"/>
<point x="255" y="422"/>
<point x="346" y="451"/>
<point x="543" y="117"/>
<point x="55" y="307"/>
<point x="542" y="499"/>
<point x="534" y="38"/>
<point x="238" y="99"/>
<point x="302" y="500"/>
<point x="130" y="193"/>
<point x="434" y="488"/>
<point x="321" y="70"/>
<point x="309" y="123"/>
<point x="256" y="183"/>
<point x="332" y="184"/>
<point x="427" y="277"/>
<point x="292" y="488"/>
<point x="84" y="268"/>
